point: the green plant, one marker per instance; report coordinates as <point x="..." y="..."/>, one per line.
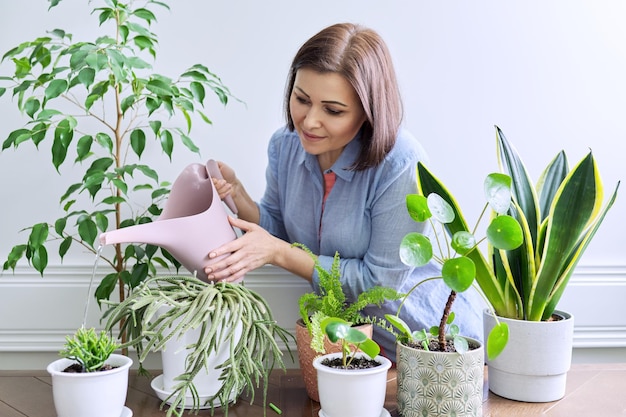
<point x="217" y="310"/>
<point x="89" y="349"/>
<point x="331" y="301"/>
<point x="338" y="330"/>
<point x="559" y="217"/>
<point x="458" y="271"/>
<point x="101" y="107"/>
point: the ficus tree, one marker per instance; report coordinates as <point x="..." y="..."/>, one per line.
<point x="102" y="106"/>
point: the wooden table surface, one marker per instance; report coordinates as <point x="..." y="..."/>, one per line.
<point x="592" y="390"/>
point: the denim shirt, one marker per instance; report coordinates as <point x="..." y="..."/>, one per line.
<point x="364" y="219"/>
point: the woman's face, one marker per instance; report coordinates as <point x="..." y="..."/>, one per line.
<point x="326" y="113"/>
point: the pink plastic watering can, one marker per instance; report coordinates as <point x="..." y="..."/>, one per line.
<point x="193" y="221"/>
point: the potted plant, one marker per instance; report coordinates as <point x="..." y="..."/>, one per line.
<point x="311" y="340"/>
<point x="440" y="372"/>
<point x="352" y="382"/>
<point x="90" y="380"/>
<point x="559" y="217"/>
<point x="101" y="106"/>
<point x="216" y="340"/>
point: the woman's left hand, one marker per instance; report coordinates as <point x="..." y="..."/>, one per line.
<point x="255" y="248"/>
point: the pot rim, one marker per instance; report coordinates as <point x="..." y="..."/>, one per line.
<point x="565" y="316"/>
<point x="121" y="363"/>
<point x="480" y="345"/>
<point x="385" y="364"/>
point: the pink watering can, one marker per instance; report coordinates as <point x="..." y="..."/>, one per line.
<point x="193" y="221"/>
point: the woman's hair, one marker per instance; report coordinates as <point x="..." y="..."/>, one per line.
<point x="361" y="56"/>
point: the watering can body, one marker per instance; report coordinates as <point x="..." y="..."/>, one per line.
<point x="193" y="222"/>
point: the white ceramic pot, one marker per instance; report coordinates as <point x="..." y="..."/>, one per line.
<point x="93" y="394"/>
<point x="206" y="382"/>
<point x="306" y="354"/>
<point x="533" y="366"/>
<point x="345" y="393"/>
<point x="438" y="384"/>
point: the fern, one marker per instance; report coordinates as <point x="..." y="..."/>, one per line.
<point x="331" y="301"/>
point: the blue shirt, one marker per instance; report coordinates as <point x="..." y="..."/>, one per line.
<point x="364" y="219"/>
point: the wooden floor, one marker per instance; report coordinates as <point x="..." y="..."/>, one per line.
<point x="592" y="390"/>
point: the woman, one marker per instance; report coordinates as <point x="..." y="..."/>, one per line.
<point x="337" y="179"/>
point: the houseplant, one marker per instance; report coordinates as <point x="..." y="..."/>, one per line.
<point x="351" y="383"/>
<point x="100" y="106"/>
<point x="559" y="217"/>
<point x="222" y="317"/>
<point x="440" y="372"/>
<point x="311" y="340"/>
<point x="90" y="380"/>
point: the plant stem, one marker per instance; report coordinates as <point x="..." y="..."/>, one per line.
<point x="444" y="321"/>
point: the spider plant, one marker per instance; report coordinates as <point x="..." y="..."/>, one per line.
<point x="216" y="309"/>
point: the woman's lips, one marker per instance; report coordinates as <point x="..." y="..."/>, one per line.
<point x="311" y="137"/>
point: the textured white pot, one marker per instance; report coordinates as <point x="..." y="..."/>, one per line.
<point x="533" y="366"/>
<point x="440" y="384"/>
<point x="90" y="394"/>
<point x="352" y="393"/>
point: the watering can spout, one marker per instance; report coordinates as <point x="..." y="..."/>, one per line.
<point x="192" y="223"/>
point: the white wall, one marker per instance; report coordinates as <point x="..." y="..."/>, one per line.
<point x="549" y="73"/>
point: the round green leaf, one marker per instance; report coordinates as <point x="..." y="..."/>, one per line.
<point x="463" y="242"/>
<point x="497" y="340"/>
<point x="498" y="192"/>
<point x="504" y="232"/>
<point x="417" y="207"/>
<point x="441" y="210"/>
<point x="458" y="273"/>
<point x="415" y="249"/>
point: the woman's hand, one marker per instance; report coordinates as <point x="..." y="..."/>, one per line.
<point x="255" y="248"/>
<point x="225" y="186"/>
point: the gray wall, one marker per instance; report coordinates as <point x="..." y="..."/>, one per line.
<point x="549" y="73"/>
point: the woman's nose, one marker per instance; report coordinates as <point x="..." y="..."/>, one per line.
<point x="312" y="118"/>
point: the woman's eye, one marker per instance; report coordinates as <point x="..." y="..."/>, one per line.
<point x="302" y="100"/>
<point x="333" y="112"/>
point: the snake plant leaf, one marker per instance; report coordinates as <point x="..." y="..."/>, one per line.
<point x="504" y="232"/>
<point x="427" y="184"/>
<point x="441" y="210"/>
<point x="415" y="249"/>
<point x="458" y="273"/>
<point x="577" y="204"/>
<point x="521" y="187"/>
<point x="498" y="192"/>
<point x="418" y="207"/>
<point x="550" y="181"/>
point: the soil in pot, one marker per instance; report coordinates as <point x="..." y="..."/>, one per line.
<point x="77" y="368"/>
<point x="356" y="363"/>
<point x="433" y="346"/>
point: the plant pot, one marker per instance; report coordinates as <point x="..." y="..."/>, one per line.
<point x="533" y="366"/>
<point x="306" y="355"/>
<point x="359" y="392"/>
<point x="93" y="394"/>
<point x="174" y="362"/>
<point x="438" y="384"/>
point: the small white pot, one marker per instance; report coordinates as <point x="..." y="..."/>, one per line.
<point x="533" y="366"/>
<point x="93" y="394"/>
<point x="345" y="393"/>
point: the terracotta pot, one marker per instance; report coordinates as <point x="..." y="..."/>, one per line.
<point x="440" y="384"/>
<point x="533" y="366"/>
<point x="306" y="355"/>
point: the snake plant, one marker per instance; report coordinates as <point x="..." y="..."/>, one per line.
<point x="216" y="309"/>
<point x="559" y="217"/>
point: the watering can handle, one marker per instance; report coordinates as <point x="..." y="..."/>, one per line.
<point x="215" y="172"/>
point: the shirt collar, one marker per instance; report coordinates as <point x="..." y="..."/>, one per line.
<point x="342" y="165"/>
